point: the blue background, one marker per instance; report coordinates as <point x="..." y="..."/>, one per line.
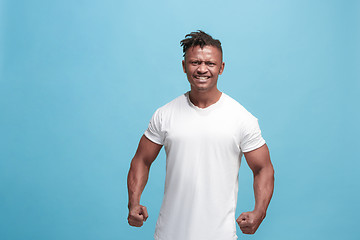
<point x="80" y="80"/>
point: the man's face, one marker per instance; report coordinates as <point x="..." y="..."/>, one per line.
<point x="202" y="67"/>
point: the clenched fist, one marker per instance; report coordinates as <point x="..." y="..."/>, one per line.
<point x="137" y="216"/>
<point x="250" y="221"/>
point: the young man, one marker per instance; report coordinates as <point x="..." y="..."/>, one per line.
<point x="205" y="133"/>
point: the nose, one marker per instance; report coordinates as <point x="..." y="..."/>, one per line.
<point x="202" y="68"/>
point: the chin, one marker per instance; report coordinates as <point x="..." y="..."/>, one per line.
<point x="201" y="89"/>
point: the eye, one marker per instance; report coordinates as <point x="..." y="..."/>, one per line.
<point x="195" y="62"/>
<point x="210" y="64"/>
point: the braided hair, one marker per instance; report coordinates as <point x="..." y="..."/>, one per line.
<point x="199" y="38"/>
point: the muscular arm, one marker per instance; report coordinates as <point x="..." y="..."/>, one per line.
<point x="260" y="164"/>
<point x="137" y="178"/>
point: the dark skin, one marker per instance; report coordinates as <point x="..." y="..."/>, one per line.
<point x="202" y="67"/>
<point x="263" y="171"/>
<point x="137" y="178"/>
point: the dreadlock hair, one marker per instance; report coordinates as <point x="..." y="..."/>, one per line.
<point x="199" y="38"/>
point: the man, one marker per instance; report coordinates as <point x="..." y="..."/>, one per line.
<point x="205" y="134"/>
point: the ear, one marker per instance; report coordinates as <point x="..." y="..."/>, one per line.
<point x="183" y="64"/>
<point x="222" y="68"/>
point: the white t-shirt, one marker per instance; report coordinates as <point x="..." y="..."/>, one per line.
<point x="203" y="148"/>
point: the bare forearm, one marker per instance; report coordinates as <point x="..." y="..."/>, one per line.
<point x="260" y="163"/>
<point x="263" y="189"/>
<point x="137" y="179"/>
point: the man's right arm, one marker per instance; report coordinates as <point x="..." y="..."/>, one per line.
<point x="137" y="178"/>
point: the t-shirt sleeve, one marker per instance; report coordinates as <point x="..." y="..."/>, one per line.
<point x="251" y="138"/>
<point x="153" y="132"/>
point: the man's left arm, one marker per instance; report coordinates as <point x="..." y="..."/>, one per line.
<point x="262" y="168"/>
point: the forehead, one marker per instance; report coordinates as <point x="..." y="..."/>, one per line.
<point x="207" y="52"/>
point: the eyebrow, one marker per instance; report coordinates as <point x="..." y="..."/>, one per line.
<point x="198" y="60"/>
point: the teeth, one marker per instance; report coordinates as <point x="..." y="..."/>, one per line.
<point x="202" y="78"/>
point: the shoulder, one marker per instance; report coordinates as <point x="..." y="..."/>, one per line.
<point x="171" y="106"/>
<point x="236" y="108"/>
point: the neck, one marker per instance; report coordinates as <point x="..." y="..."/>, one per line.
<point x="204" y="99"/>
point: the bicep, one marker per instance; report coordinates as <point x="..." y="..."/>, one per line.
<point x="258" y="158"/>
<point x="147" y="151"/>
